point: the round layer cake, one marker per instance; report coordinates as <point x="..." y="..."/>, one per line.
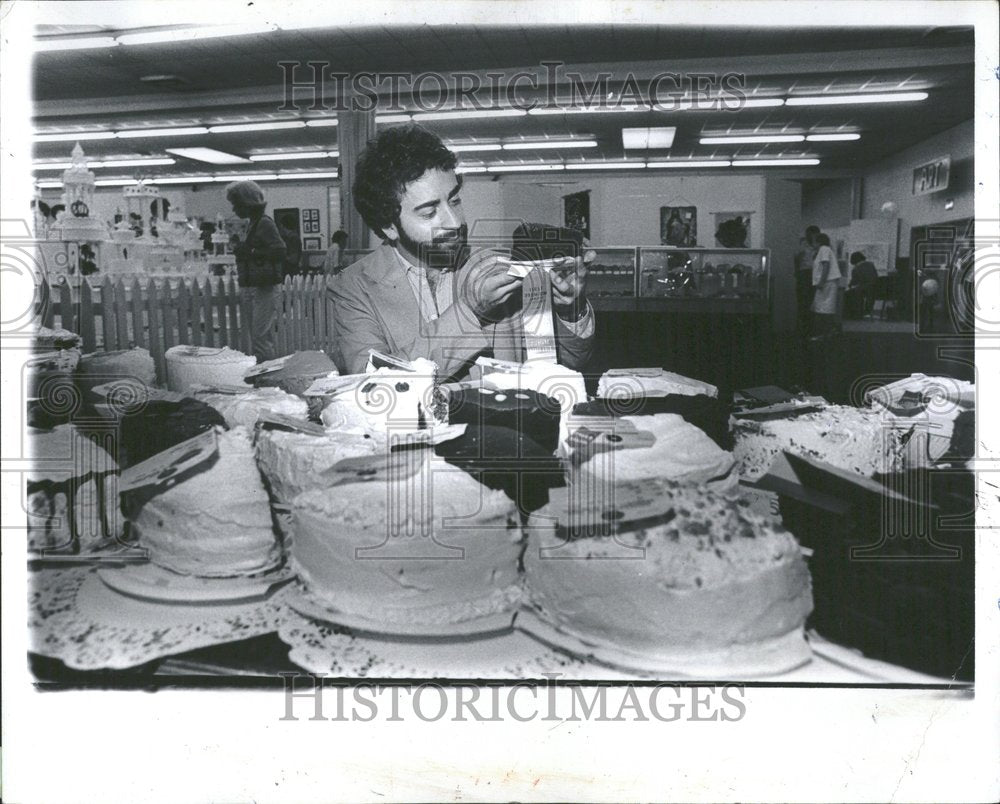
<point x="855" y="439"/>
<point x="670" y="577"/>
<point x="436" y="548"/>
<point x="216" y="521"/>
<point x="205" y="365"/>
<point x="680" y="452"/>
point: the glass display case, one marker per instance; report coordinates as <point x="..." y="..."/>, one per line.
<point x="611" y="274"/>
<point x="705" y="278"/>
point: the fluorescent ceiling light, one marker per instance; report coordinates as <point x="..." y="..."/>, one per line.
<point x="774" y="162"/>
<point x="48" y="44"/>
<point x="690" y="163"/>
<point x="114" y="182"/>
<point x="71" y="136"/>
<point x="132" y="162"/>
<point x="262" y="126"/>
<point x="388" y="119"/>
<point x="210" y="155"/>
<point x="324" y="122"/>
<point x="52" y="166"/>
<point x="544" y="144"/>
<point x="515" y="168"/>
<point x="192" y="33"/>
<point x="727" y="104"/>
<point x="49" y="185"/>
<point x="645" y="138"/>
<point x="832" y="137"/>
<point x="737" y="140"/>
<point x="181" y="180"/>
<point x="543" y="110"/>
<point x="182" y="131"/>
<point x="473" y="146"/>
<point x="279" y="157"/>
<point x="470" y="169"/>
<point x="874" y="97"/>
<point x="469" y="114"/>
<point x="245" y="177"/>
<point x="300" y="176"/>
<point x="605" y="165"/>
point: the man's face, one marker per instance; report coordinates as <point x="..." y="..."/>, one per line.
<point x="431" y="228"/>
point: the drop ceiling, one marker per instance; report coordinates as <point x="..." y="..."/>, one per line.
<point x="238" y="79"/>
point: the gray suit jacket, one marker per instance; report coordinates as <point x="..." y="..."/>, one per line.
<point x="374" y="308"/>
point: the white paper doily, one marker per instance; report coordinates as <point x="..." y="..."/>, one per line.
<point x="321" y="647"/>
<point x="74" y="617"/>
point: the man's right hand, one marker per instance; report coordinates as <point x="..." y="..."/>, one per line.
<point x="484" y="284"/>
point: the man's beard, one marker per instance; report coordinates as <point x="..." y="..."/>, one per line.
<point x="442" y="252"/>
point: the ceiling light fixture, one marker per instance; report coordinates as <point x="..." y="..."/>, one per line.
<point x="690" y="163"/>
<point x="605" y="165"/>
<point x="182" y="131"/>
<point x="526" y="167"/>
<point x="473" y="146"/>
<point x="324" y="122"/>
<point x="290" y="155"/>
<point x="182" y="180"/>
<point x="832" y="137"/>
<point x="272" y="125"/>
<point x="48" y="44"/>
<point x="470" y="169"/>
<point x="389" y="119"/>
<point x="546" y="144"/>
<point x="190" y="33"/>
<point x="74" y="136"/>
<point x="754" y="138"/>
<point x="220" y="177"/>
<point x="107" y="163"/>
<point x="774" y="162"/>
<point x="210" y="155"/>
<point x="113" y="182"/>
<point x="544" y="110"/>
<point x="468" y="114"/>
<point x="874" y="97"/>
<point x="300" y="176"/>
<point x="648" y="138"/>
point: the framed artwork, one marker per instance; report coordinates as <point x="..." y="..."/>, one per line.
<point x="311" y="244"/>
<point x="576" y="212"/>
<point x="732" y="229"/>
<point x="288" y="217"/>
<point x="679" y="226"/>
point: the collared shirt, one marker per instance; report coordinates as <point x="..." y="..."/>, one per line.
<point x="433" y="303"/>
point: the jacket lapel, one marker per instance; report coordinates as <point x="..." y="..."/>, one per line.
<point x="392" y="297"/>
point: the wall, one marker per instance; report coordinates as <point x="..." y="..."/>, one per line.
<point x="826" y="203"/>
<point x="892" y="180"/>
<point x="783" y="224"/>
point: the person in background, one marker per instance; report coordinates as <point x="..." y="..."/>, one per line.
<point x="421" y="294"/>
<point x="260" y="259"/>
<point x="860" y="297"/>
<point x="332" y="262"/>
<point x="288" y="229"/>
<point x="826" y="282"/>
<point x="803" y="276"/>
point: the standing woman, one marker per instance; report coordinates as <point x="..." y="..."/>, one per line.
<point x="259" y="266"/>
<point x="826" y="281"/>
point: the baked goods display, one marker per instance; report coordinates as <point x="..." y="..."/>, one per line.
<point x="614" y="528"/>
<point x="670" y="575"/>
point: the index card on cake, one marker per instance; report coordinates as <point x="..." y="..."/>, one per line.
<point x="171" y="463"/>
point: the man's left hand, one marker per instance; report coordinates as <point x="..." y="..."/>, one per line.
<point x="569" y="284"/>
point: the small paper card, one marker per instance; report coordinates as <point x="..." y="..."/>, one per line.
<point x="634" y="372"/>
<point x="430" y="437"/>
<point x="170" y="463"/>
<point x="279" y="421"/>
<point x="267" y="367"/>
<point x="330" y="386"/>
<point x="377" y="360"/>
<point x="364" y="469"/>
<point x="232" y="390"/>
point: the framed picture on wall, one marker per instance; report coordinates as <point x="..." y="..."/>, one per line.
<point x="576" y="212"/>
<point x="732" y="229"/>
<point x="288" y="218"/>
<point x="679" y="226"/>
<point x="312" y="244"/>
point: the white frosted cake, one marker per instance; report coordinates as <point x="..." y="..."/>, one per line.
<point x="696" y="583"/>
<point x="385" y="401"/>
<point x="243" y="409"/>
<point x="855" y="439"/>
<point x="656" y="382"/>
<point x="205" y="365"/>
<point x="681" y="452"/>
<point x="435" y="549"/>
<point x="103" y="367"/>
<point x="294" y="462"/>
<point x="216" y="522"/>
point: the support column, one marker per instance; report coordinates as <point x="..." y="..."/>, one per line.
<point x="354" y="129"/>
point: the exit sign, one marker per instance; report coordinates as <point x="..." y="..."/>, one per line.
<point x="932" y="176"/>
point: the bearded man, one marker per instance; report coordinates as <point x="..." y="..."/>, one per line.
<point x="424" y="292"/>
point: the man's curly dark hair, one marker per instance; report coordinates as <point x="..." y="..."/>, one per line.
<point x="392" y="160"/>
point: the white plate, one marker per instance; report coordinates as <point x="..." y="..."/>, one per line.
<point x="310" y="606"/>
<point x="156" y="583"/>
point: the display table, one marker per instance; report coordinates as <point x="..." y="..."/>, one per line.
<point x="77" y="619"/>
